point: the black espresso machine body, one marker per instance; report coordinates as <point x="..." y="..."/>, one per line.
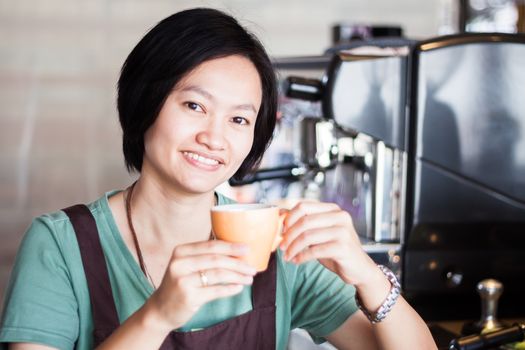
<point x="426" y="150"/>
<point x="466" y="174"/>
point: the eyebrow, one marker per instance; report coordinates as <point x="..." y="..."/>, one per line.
<point x="206" y="94"/>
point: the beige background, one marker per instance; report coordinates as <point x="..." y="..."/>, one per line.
<point x="59" y="62"/>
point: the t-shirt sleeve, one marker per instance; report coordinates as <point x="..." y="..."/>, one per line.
<point x="322" y="301"/>
<point x="40" y="305"/>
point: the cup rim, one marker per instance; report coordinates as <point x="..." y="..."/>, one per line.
<point x="235" y="207"/>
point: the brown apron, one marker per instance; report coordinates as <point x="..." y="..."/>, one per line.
<point x="252" y="330"/>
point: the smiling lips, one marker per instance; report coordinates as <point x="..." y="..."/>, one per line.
<point x="201" y="159"/>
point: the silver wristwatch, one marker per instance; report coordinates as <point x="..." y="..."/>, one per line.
<point x="386" y="306"/>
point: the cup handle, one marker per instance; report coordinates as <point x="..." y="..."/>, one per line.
<point x="278" y="236"/>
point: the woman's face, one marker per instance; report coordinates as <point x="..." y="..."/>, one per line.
<point x="205" y="128"/>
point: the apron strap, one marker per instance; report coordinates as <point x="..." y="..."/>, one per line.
<point x="105" y="317"/>
<point x="263" y="288"/>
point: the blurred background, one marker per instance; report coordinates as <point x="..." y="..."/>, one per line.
<point x="419" y="136"/>
<point x="59" y="63"/>
<point x="422" y="142"/>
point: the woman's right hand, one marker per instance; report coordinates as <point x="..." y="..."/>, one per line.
<point x="182" y="291"/>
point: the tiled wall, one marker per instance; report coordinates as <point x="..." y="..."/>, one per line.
<point x="59" y="62"/>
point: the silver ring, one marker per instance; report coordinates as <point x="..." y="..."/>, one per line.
<point x="204" y="279"/>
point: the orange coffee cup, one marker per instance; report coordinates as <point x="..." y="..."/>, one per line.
<point x="258" y="226"/>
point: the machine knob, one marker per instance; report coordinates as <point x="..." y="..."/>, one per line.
<point x="489" y="291"/>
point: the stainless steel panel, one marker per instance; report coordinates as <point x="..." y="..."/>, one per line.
<point x="471" y="114"/>
<point x="369" y="97"/>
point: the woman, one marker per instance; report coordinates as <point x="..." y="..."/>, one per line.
<point x="197" y="105"/>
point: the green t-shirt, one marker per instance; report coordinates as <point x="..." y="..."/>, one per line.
<point x="47" y="300"/>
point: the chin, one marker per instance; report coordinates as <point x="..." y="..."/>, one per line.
<point x="201" y="189"/>
<point x="200" y="186"/>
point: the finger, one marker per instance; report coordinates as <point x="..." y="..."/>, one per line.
<point x="307" y="208"/>
<point x="220" y="291"/>
<point x="314" y="221"/>
<point x="210" y="247"/>
<point x="193" y="264"/>
<point x="283" y="211"/>
<point x="328" y="250"/>
<point x="310" y="238"/>
<point x="208" y="278"/>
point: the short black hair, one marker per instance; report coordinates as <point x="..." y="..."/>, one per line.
<point x="166" y="54"/>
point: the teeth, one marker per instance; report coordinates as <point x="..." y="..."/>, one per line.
<point x="201" y="159"/>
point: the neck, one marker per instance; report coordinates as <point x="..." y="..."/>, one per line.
<point x="163" y="216"/>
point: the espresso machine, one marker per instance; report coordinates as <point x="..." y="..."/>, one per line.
<point x="465" y="213"/>
<point x="347" y="146"/>
<point x="423" y="143"/>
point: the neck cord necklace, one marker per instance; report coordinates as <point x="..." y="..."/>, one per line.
<point x="127" y="199"/>
<point x="134" y="234"/>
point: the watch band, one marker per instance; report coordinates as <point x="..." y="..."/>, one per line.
<point x="391" y="298"/>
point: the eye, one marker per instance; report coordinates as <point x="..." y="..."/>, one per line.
<point x="194" y="106"/>
<point x="240" y="120"/>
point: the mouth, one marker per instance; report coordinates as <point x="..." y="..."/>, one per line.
<point x="205" y="160"/>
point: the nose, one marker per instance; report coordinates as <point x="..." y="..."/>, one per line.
<point x="212" y="135"/>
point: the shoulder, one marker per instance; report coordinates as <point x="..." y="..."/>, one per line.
<point x="55" y="225"/>
<point x="48" y="316"/>
<point x="44" y="232"/>
<point x="53" y="231"/>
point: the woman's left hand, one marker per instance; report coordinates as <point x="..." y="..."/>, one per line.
<point x="323" y="231"/>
